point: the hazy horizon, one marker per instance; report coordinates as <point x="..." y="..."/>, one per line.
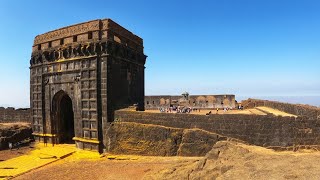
<point x="309" y="100"/>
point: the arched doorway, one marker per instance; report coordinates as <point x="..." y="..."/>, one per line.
<point x="62" y="123"/>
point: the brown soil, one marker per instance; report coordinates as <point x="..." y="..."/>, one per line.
<point x="227" y="160"/>
<point x="230" y="160"/>
<point x="104" y="168"/>
<point x="9" y="154"/>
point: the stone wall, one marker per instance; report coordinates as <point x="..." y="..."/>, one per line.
<point x="99" y="66"/>
<point x="11" y="115"/>
<point x="296" y="109"/>
<point x="14" y="133"/>
<point x="268" y="131"/>
<point x="156" y="140"/>
<point x="195" y="101"/>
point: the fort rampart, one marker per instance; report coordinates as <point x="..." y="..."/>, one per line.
<point x="275" y="132"/>
<point x="195" y="101"/>
<point x="11" y="115"/>
<point x="297" y="109"/>
<point x="14" y="133"/>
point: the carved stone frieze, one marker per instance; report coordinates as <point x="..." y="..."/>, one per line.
<point x="68" y="31"/>
<point x="87" y="49"/>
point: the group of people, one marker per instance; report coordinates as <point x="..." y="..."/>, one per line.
<point x="240" y="107"/>
<point x="183" y="109"/>
<point x="177" y="109"/>
<point x="225" y="109"/>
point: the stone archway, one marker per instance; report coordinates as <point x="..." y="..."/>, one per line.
<point x="62" y="121"/>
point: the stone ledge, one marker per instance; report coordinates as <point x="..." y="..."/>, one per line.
<point x="44" y="135"/>
<point x="86" y="140"/>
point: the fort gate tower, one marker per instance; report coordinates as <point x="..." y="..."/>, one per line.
<point x="81" y="74"/>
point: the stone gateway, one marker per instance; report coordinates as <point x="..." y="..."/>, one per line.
<point x="81" y="74"/>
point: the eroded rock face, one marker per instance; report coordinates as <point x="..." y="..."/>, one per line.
<point x="197" y="142"/>
<point x="233" y="160"/>
<point x="142" y="139"/>
<point x="218" y="161"/>
<point x="156" y="140"/>
<point x="13" y="132"/>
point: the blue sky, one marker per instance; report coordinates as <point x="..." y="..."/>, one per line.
<point x="243" y="47"/>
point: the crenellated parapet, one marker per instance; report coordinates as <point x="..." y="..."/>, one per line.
<point x="101" y="29"/>
<point x="67" y="32"/>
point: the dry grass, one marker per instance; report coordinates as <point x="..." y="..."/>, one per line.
<point x="274" y="111"/>
<point x="238" y="161"/>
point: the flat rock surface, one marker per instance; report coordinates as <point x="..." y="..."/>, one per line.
<point x="227" y="160"/>
<point x="274" y="111"/>
<point x="127" y="167"/>
<point x="39" y="157"/>
<point x="261" y="110"/>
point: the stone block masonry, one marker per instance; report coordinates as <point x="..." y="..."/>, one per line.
<point x="276" y="132"/>
<point x="156" y="140"/>
<point x="195" y="101"/>
<point x="79" y="75"/>
<point x="12" y="115"/>
<point x="14" y="132"/>
<point x="296" y="109"/>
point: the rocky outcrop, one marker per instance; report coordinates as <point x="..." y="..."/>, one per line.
<point x="231" y="160"/>
<point x="156" y="140"/>
<point x="14" y="132"/>
<point x="275" y="132"/>
<point x="197" y="142"/>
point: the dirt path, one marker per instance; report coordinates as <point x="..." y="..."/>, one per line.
<point x="8" y="154"/>
<point x="227" y="160"/>
<point x="104" y="168"/>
